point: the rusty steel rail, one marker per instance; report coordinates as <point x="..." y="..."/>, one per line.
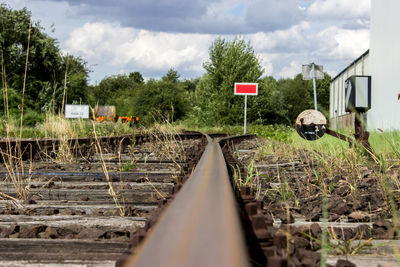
<point x="29" y="148"/>
<point x="201" y="226"/>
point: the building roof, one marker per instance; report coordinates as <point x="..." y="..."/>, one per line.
<point x="350" y="65"/>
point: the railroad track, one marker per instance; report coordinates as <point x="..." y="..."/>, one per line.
<point x="179" y="209"/>
<point x="69" y="216"/>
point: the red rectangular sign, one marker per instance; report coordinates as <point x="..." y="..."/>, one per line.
<point x="246" y="88"/>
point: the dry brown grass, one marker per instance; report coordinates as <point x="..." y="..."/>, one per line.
<point x="111" y="190"/>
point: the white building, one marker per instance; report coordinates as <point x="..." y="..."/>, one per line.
<point x="382" y="63"/>
<point x="338" y="117"/>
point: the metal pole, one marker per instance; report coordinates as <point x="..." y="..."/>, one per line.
<point x="314" y="85"/>
<point x="245" y="113"/>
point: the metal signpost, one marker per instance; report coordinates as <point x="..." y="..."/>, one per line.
<point x="313" y="71"/>
<point x="246" y="89"/>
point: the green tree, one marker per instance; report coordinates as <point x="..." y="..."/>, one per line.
<point x="117" y="90"/>
<point x="136" y="77"/>
<point x="323" y="94"/>
<point x="46" y="65"/>
<point x="171" y="75"/>
<point x="298" y="94"/>
<point x="190" y="84"/>
<point x="74" y="81"/>
<point x="269" y="106"/>
<point x="230" y="62"/>
<point x="106" y="91"/>
<point x="161" y="100"/>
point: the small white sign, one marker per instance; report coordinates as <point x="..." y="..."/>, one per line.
<point x="77" y="111"/>
<point x="308" y="72"/>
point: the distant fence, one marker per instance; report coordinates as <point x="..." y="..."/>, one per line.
<point x="104" y="111"/>
<point x="344" y="121"/>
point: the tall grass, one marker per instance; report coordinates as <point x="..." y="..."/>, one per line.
<point x="54" y="126"/>
<point x="25" y="74"/>
<point x="12" y="156"/>
<point x="111" y="190"/>
<point x="167" y="145"/>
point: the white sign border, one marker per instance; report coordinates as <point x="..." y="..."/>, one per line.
<point x="256" y="93"/>
<point x="81" y="110"/>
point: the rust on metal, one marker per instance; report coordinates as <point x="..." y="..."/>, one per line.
<point x="339" y="136"/>
<point x="311" y="124"/>
<point x="201" y="227"/>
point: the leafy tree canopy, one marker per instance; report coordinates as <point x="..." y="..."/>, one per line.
<point x="136" y="77"/>
<point x="298" y="95"/>
<point x="230" y="62"/>
<point x="47" y="69"/>
<point x="163" y="100"/>
<point x="171" y="75"/>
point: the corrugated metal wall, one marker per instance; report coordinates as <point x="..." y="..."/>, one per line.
<point x="338" y="118"/>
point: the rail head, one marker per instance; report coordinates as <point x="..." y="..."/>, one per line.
<point x="201" y="227"/>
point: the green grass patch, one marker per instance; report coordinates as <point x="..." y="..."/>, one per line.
<point x="325" y="145"/>
<point x="387" y="143"/>
<point x="273" y="131"/>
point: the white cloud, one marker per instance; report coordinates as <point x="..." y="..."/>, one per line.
<point x="221" y="9"/>
<point x="109" y="45"/>
<point x="151" y="50"/>
<point x="339" y="9"/>
<point x="163" y="50"/>
<point x="292" y="39"/>
<point x="97" y="40"/>
<point x="267" y="62"/>
<point x="151" y="36"/>
<point x="280" y="51"/>
<point x="344" y="44"/>
<point x="290" y="71"/>
<point x="331" y="73"/>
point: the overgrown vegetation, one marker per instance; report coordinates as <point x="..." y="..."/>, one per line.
<point x="332" y="168"/>
<point x="329" y="182"/>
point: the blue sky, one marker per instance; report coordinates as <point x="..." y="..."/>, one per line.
<point x="151" y="36"/>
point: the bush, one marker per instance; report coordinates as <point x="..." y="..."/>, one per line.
<point x="31" y="118"/>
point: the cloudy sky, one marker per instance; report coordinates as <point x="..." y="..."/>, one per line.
<point x="151" y="36"/>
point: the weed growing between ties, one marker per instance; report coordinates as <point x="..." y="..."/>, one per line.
<point x="251" y="180"/>
<point x="274" y="132"/>
<point x="17" y="174"/>
<point x="62" y="130"/>
<point x="167" y="145"/>
<point x="18" y="170"/>
<point x="111" y="190"/>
